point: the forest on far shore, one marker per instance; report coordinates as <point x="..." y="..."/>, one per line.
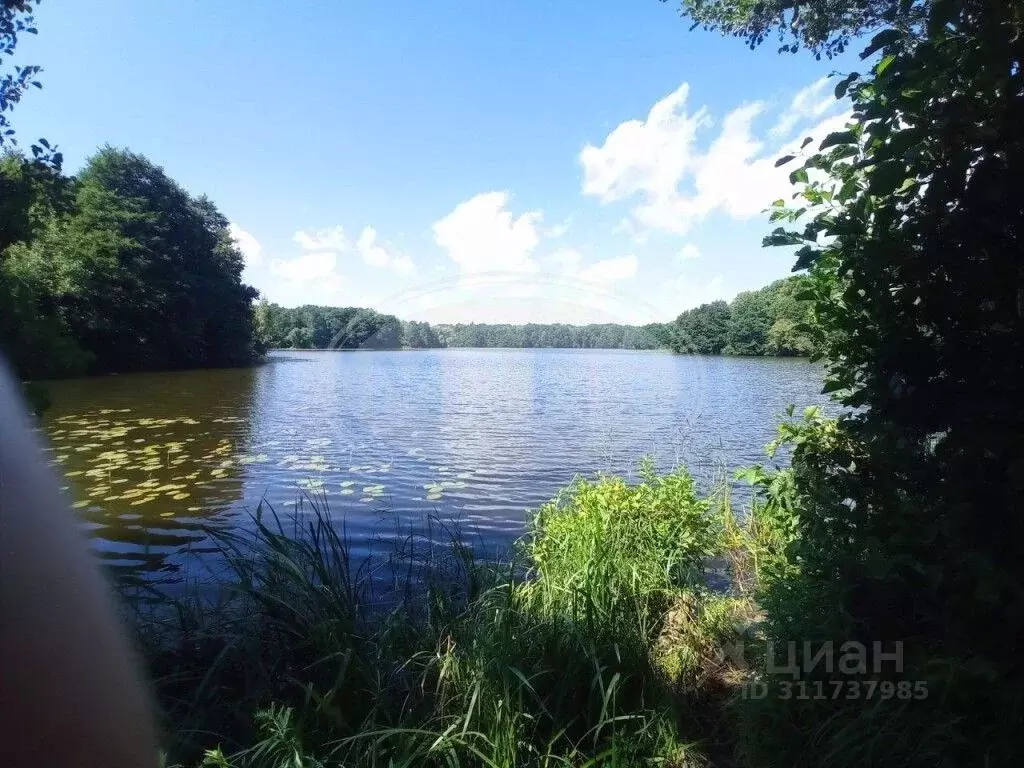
<point x="771" y="321"/>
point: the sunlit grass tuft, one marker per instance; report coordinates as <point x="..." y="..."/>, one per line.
<point x="597" y="644"/>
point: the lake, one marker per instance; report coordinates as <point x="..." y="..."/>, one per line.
<point x="390" y="438"/>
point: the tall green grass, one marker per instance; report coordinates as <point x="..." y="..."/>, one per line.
<point x="598" y="643"/>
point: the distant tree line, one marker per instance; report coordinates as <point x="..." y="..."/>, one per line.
<point x="312" y="327"/>
<point x="115" y="269"/>
<point x="770" y="321"/>
<point x="533" y="335"/>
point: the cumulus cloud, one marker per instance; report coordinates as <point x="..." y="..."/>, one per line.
<point x="246" y="243"/>
<point x="644" y="156"/>
<point x="380" y="255"/>
<point x="677" y="185"/>
<point x="310" y="266"/>
<point x="481" y="235"/>
<point x="327" y="239"/>
<point x="810" y="102"/>
<point x="312" y="277"/>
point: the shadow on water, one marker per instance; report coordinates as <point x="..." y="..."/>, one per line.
<point x="150" y="459"/>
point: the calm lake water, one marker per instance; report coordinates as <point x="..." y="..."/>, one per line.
<point x="390" y="438"/>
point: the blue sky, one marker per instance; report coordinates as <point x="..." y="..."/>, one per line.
<point x="448" y="161"/>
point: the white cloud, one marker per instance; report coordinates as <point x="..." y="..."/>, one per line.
<point x="646" y="157"/>
<point x="246" y="243"/>
<point x="382" y="256"/>
<point x="327" y="239"/>
<point x="689" y="252"/>
<point x="610" y="270"/>
<point x="372" y="254"/>
<point x="312" y="276"/>
<point x="480" y="235"/>
<point x="677" y="185"/>
<point x="314" y="265"/>
<point x="807" y="104"/>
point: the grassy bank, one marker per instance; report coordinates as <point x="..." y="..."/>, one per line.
<point x="598" y="644"/>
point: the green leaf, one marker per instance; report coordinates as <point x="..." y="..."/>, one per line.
<point x="783" y="160"/>
<point x="799" y="176"/>
<point x="884" y="64"/>
<point x="843" y="85"/>
<point x="881" y="40"/>
<point x="887" y="178"/>
<point x="907" y="185"/>
<point x="836" y="138"/>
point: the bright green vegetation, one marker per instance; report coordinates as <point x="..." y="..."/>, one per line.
<point x="772" y="321"/>
<point x="599" y="645"/>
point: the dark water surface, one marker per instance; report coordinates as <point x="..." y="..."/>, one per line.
<point x="389" y="438"/>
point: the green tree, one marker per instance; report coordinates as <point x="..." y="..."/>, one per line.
<point x="702" y="330"/>
<point x="908" y="522"/>
<point x="749" y="322"/>
<point x="138" y="273"/>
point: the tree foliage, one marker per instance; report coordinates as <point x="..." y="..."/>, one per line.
<point x="909" y="524"/>
<point x="118" y="269"/>
<point x="769" y="321"/>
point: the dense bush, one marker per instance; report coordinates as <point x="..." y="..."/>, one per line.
<point x="910" y="224"/>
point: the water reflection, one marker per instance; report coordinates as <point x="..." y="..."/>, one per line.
<point x="387" y="439"/>
<point x="152" y="458"/>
